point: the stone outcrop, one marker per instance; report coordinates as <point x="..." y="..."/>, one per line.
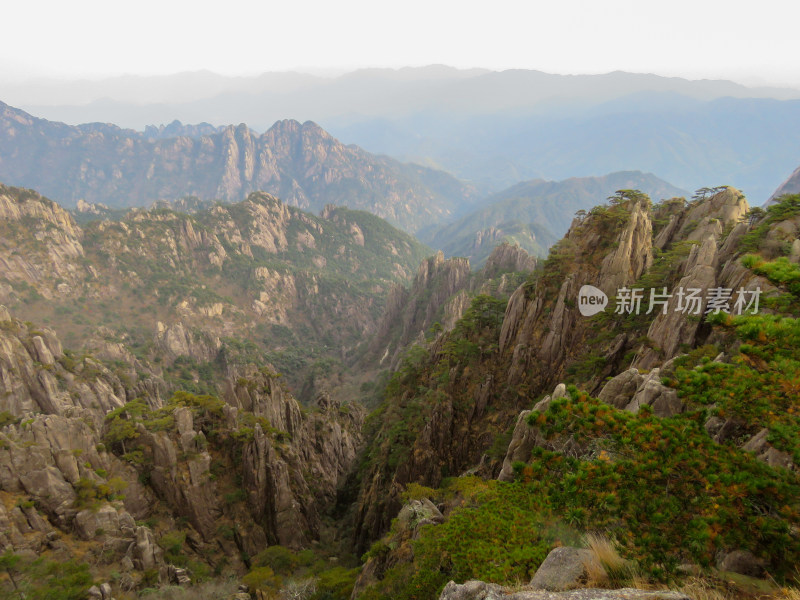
<point x="525" y="437"/>
<point x="708" y="266"/>
<point x="508" y="257"/>
<point x="174" y="341"/>
<point x="672" y="327"/>
<point x="630" y="390"/>
<point x="523" y="441"/>
<point x="411" y="518"/>
<point x="417" y="513"/>
<point x="632" y="255"/>
<point x="619" y="391"/>
<point x="541" y="325"/>
<point x="409" y="313"/>
<point x="478" y="590"/>
<point x="759" y="446"/>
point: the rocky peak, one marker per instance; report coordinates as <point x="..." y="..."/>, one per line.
<point x="508" y="257"/>
<point x="411" y="312"/>
<point x="790" y="186"/>
<point x="611" y="247"/>
<point x="633" y="254"/>
<point x="301" y="163"/>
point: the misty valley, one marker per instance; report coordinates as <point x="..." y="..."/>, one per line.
<point x="433" y="345"/>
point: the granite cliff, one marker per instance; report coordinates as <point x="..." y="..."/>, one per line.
<point x="300" y="163"/>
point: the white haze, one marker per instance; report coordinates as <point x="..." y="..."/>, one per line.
<point x="753" y="43"/>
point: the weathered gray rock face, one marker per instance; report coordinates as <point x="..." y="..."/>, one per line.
<point x="790" y="186"/>
<point x="411" y="518"/>
<point x="34" y="380"/>
<point x="417" y="513"/>
<point x="653" y="393"/>
<point x="289" y="485"/>
<point x="759" y="446"/>
<point x="542" y="332"/>
<point x="186" y="486"/>
<point x="507" y="257"/>
<point x="523" y="440"/>
<point x="175" y="340"/>
<point x="619" y="391"/>
<point x="478" y="590"/>
<point x="707" y="266"/>
<point x="410" y="312"/>
<point x="564" y="568"/>
<point x="526" y="437"/>
<point x="104" y="521"/>
<point x="633" y="254"/>
<point x="23" y="528"/>
<point x="41" y="460"/>
<point x="725" y="208"/>
<point x="674" y="327"/>
<point x="146" y="553"/>
<point x="55" y="256"/>
<point x="631" y="390"/>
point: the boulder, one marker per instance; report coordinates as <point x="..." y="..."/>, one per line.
<point x="105" y="591"/>
<point x="419" y="512"/>
<point x="619" y="391"/>
<point x="765" y="452"/>
<point x="742" y="562"/>
<point x="564" y="568"/>
<point x="94" y="593"/>
<point x="664" y="400"/>
<point x="178" y="576"/>
<point x="90" y="523"/>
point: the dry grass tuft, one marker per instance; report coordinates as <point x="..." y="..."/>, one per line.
<point x="698" y="588"/>
<point x="608" y="568"/>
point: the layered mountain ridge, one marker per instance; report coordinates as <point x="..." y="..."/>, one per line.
<point x="535" y="214"/>
<point x="300" y="163"/>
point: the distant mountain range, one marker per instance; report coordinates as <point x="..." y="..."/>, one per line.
<point x="300" y="163"/>
<point x="748" y="143"/>
<point x="137" y="101"/>
<point x="535" y="214"/>
<point x="492" y="128"/>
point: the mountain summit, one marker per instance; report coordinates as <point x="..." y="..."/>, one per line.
<point x="299" y="162"/>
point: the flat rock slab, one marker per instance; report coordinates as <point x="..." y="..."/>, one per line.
<point x="478" y="590"/>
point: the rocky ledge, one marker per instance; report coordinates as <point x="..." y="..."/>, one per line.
<point x="478" y="590"/>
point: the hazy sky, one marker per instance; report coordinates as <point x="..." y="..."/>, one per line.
<point x="749" y="41"/>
